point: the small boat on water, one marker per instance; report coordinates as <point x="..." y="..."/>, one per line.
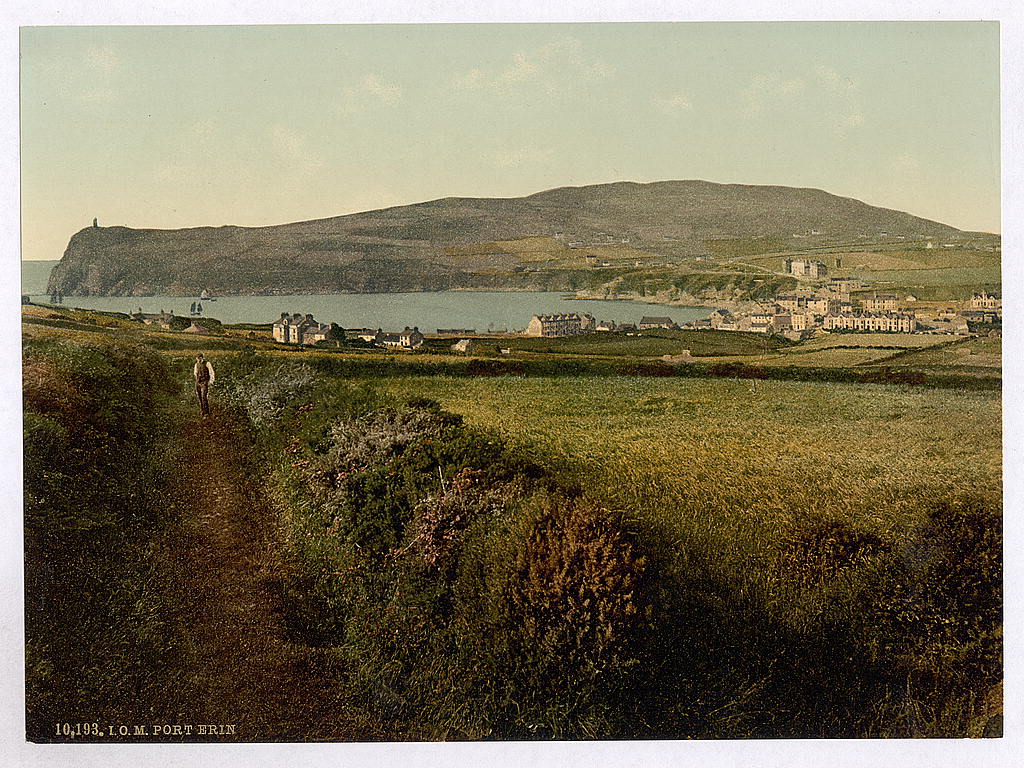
<point x="205" y="296"/>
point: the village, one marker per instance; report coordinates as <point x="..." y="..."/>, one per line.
<point x="819" y="305"/>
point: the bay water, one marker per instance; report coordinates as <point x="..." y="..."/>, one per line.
<point x="480" y="311"/>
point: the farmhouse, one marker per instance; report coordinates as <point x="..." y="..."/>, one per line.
<point x="315" y="333"/>
<point x="410" y="338"/>
<point x="566" y="324"/>
<point x="719" y="318"/>
<point x="289" y="329"/>
<point x="463" y="347"/>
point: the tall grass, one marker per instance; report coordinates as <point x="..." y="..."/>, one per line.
<point x="648" y="558"/>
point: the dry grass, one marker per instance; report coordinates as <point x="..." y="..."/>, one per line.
<point x="741" y="461"/>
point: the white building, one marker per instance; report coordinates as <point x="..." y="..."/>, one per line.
<point x="891" y="322"/>
<point x="806" y="268"/>
<point x="986" y="300"/>
<point x="880" y="302"/>
<point x="565" y="324"/>
<point x="290" y="328"/>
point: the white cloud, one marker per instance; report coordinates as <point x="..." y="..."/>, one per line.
<point x="833" y="80"/>
<point x="96" y="96"/>
<point x="674" y="104"/>
<point x="93" y="83"/>
<point x="904" y="164"/>
<point x="539" y="66"/>
<point x="389" y="93"/>
<point x="371" y="91"/>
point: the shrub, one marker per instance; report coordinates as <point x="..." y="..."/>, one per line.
<point x="939" y="600"/>
<point x="263" y="397"/>
<point x="570" y="617"/>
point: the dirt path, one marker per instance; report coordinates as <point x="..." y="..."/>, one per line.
<point x="229" y="566"/>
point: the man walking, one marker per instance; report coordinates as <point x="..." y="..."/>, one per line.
<point x="203" y="373"/>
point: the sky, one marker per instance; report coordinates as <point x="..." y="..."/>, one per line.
<point x="192" y="126"/>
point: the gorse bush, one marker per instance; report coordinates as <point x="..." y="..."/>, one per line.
<point x="436" y="560"/>
<point x="942" y="590"/>
<point x="262" y="396"/>
<point x="572" y="614"/>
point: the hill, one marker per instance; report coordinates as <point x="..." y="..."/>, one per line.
<point x="561" y="239"/>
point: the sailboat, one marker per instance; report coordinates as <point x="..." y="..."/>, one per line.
<point x="205" y="295"/>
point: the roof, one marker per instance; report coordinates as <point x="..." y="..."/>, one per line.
<point x="645" y="319"/>
<point x="560" y="316"/>
<point x="295" y="319"/>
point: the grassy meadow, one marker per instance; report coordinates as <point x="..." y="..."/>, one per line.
<point x="477" y="555"/>
<point x="742" y="461"/>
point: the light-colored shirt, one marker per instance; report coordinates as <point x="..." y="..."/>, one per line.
<point x="209" y="368"/>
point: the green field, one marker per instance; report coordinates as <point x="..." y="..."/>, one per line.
<point x="360" y="546"/>
<point x="985" y="353"/>
<point x="652" y="343"/>
<point x="738" y="462"/>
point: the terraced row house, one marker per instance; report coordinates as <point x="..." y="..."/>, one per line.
<point x="564" y="324"/>
<point x="883" y="322"/>
<point x="880" y="302"/>
<point x="650" y="323"/>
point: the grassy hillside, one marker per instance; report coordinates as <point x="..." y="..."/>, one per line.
<point x="459" y="242"/>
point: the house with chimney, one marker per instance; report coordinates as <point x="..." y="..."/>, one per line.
<point x="410" y="338"/>
<point x="563" y="324"/>
<point x="880" y="302"/>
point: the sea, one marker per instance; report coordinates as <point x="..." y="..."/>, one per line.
<point x="479" y="311"/>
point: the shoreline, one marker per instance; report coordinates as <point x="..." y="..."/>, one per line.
<point x="690" y="302"/>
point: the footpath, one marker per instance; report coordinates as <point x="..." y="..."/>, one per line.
<point x="226" y="557"/>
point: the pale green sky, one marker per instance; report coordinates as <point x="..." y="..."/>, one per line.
<point x="187" y="126"/>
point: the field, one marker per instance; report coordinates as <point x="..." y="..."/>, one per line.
<point x="577" y="544"/>
<point x="743" y="463"/>
<point x="984" y="352"/>
<point x="872" y="262"/>
<point x="652" y="343"/>
<point x="538" y="252"/>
